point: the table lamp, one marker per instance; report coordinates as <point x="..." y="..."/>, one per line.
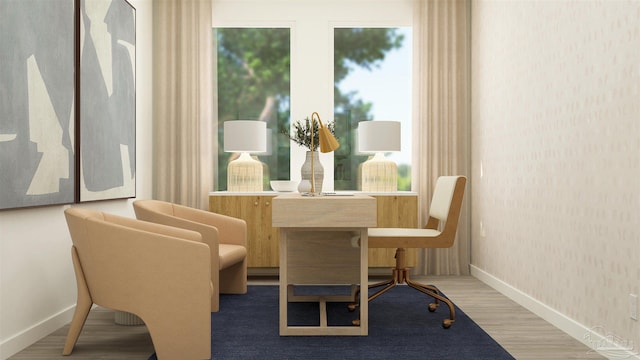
<point x="245" y="136"/>
<point x="378" y="173"/>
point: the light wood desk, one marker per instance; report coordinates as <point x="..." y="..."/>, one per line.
<point x="319" y="246"/>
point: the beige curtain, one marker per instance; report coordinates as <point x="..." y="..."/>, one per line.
<point x="442" y="140"/>
<point x="182" y="101"/>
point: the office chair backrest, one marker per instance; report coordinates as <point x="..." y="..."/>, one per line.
<point x="442" y="197"/>
<point x="446" y="204"/>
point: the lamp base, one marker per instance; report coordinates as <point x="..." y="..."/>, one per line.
<point x="244" y="174"/>
<point x="379" y="175"/>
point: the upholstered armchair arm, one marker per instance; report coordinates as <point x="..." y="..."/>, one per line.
<point x="231" y="230"/>
<point x="153" y="227"/>
<point x="147" y="212"/>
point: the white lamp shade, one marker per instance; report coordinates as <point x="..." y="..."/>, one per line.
<point x="245" y="136"/>
<point x="378" y="136"/>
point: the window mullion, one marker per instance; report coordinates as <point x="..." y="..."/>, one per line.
<point x="312" y="86"/>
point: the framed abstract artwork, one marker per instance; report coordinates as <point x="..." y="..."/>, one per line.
<point x="107" y="111"/>
<point x="37" y="103"/>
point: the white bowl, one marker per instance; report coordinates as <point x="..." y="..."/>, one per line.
<point x="284" y="185"/>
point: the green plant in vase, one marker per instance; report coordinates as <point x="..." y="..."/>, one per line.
<point x="301" y="134"/>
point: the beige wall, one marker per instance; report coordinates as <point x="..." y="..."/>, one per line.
<point x="37" y="284"/>
<point x="556" y="154"/>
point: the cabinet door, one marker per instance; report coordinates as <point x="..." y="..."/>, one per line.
<point x="394" y="211"/>
<point x="263" y="240"/>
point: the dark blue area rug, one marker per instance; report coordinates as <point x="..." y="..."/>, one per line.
<point x="400" y="327"/>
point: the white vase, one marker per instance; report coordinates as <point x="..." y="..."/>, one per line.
<point x="304" y="186"/>
<point x="305" y="171"/>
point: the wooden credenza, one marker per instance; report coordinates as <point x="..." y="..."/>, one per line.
<point x="394" y="210"/>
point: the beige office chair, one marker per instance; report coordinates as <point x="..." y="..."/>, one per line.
<point x="439" y="232"/>
<point x="225" y="235"/>
<point x="159" y="273"/>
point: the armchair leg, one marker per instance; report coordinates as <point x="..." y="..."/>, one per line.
<point x="401" y="275"/>
<point x="233" y="280"/>
<point x="170" y="341"/>
<point x="83" y="306"/>
<point x="79" y="318"/>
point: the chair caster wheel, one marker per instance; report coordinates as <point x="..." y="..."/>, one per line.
<point x="433" y="307"/>
<point x="352" y="307"/>
<point x="355" y="322"/>
<point x="446" y="323"/>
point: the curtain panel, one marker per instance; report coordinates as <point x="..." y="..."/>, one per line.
<point x="182" y="101"/>
<point x="441" y="144"/>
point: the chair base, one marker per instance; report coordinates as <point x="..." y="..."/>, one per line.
<point x="400" y="276"/>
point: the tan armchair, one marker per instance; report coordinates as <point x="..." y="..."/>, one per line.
<point x="159" y="273"/>
<point x="225" y="235"/>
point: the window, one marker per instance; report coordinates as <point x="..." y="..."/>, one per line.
<point x="253" y="69"/>
<point x="332" y="67"/>
<point x="372" y="68"/>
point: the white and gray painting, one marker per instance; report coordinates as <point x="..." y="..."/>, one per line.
<point x="36" y="102"/>
<point x="107" y="99"/>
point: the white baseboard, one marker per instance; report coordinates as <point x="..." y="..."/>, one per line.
<point x="24" y="339"/>
<point x="606" y="345"/>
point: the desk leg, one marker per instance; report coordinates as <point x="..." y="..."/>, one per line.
<point x="364" y="280"/>
<point x="283" y="283"/>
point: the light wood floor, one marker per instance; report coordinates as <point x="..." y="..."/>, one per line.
<point x="520" y="332"/>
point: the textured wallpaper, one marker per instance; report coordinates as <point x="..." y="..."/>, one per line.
<point x="556" y="154"/>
